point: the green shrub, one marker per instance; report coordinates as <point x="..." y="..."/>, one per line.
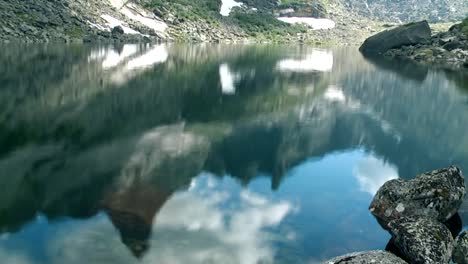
<point x="260" y="22"/>
<point x="465" y="26"/>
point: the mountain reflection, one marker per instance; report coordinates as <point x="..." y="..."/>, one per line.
<point x="138" y="138"/>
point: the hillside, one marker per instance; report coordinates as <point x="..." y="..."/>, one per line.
<point x="311" y="21"/>
<point x="180" y="20"/>
<point x="410" y="10"/>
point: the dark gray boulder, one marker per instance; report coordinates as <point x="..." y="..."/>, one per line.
<point x="409" y="34"/>
<point x="460" y="252"/>
<point x="117" y="31"/>
<point x="453" y="45"/>
<point x="422" y="240"/>
<point x="368" y="257"/>
<point x="437" y="194"/>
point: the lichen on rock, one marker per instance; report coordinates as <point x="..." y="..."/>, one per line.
<point x="368" y="257"/>
<point x="437" y="194"/>
<point x="422" y="240"/>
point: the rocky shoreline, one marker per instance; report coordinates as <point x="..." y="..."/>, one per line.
<point x="447" y="48"/>
<point x="415" y="42"/>
<point x="419" y="215"/>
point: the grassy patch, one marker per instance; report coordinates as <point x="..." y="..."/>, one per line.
<point x="465" y="26"/>
<point x="265" y="25"/>
<point x="261" y="24"/>
<point x="75" y="32"/>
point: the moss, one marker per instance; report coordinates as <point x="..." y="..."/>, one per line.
<point x="75" y="32"/>
<point x="426" y="52"/>
<point x="410" y="24"/>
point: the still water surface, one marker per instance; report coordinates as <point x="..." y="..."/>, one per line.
<point x="209" y="153"/>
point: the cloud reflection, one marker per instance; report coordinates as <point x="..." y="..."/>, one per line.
<point x="372" y="173"/>
<point x="11" y="257"/>
<point x="317" y="60"/>
<point x="206" y="224"/>
<point x="214" y="232"/>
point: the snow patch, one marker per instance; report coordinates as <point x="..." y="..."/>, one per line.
<point x="227" y="6"/>
<point x="138" y="14"/>
<point x="117" y="3"/>
<point x="99" y="27"/>
<point x="114" y="22"/>
<point x="314" y="23"/>
<point x="318" y="60"/>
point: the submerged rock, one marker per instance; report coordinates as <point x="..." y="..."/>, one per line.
<point x="460" y="252"/>
<point x="437" y="194"/>
<point x="368" y="257"/>
<point x="422" y="240"/>
<point x="409" y="34"/>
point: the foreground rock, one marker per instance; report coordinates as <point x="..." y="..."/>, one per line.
<point x="422" y="239"/>
<point x="460" y="252"/>
<point x="437" y="194"/>
<point x="408" y="34"/>
<point x="370" y="257"/>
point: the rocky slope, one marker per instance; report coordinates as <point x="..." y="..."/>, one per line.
<point x="66" y="20"/>
<point x="318" y="21"/>
<point x="410" y="10"/>
<point x="180" y="20"/>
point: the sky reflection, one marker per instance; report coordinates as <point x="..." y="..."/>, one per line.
<point x="321" y="207"/>
<point x="198" y="154"/>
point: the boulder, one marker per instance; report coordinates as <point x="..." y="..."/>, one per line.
<point x="437" y="194"/>
<point x="422" y="240"/>
<point x="408" y="34"/>
<point x="460" y="252"/>
<point x="452" y="45"/>
<point x="117" y="31"/>
<point x="369" y="257"/>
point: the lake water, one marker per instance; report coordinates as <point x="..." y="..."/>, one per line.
<point x="209" y="153"/>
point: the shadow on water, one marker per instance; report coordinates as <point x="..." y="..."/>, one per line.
<point x="405" y="68"/>
<point x="122" y="130"/>
<point x="460" y="78"/>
